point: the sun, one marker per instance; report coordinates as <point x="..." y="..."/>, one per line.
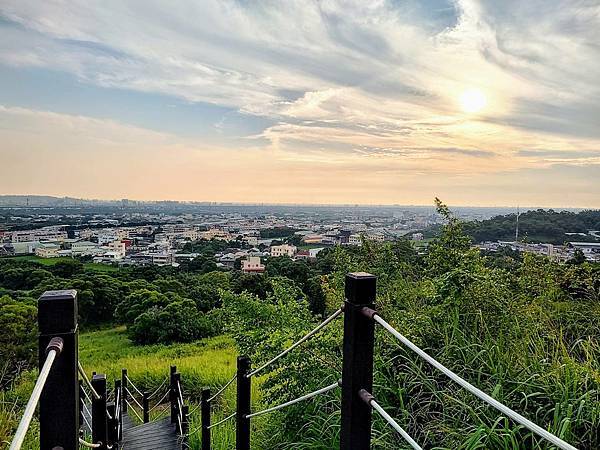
<point x="472" y="100"/>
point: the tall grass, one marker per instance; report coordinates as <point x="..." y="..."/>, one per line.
<point x="206" y="363"/>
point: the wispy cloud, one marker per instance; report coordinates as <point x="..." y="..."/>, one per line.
<point x="342" y="82"/>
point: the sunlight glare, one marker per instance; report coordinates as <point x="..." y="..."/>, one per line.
<point x="472" y="101"/>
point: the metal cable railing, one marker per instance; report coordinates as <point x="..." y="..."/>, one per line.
<point x="134" y="411"/>
<point x="158" y="389"/>
<point x="131" y="383"/>
<point x="231" y="416"/>
<point x="225" y="386"/>
<point x="296" y="400"/>
<point x="368" y="398"/>
<point x="133" y="398"/>
<point x="87" y="381"/>
<point x="159" y="402"/>
<point x="89" y="444"/>
<point x="468" y="386"/>
<point x="86" y="395"/>
<point x="297" y="343"/>
<point x="53" y="349"/>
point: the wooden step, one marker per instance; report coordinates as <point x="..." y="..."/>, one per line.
<point x="159" y="435"/>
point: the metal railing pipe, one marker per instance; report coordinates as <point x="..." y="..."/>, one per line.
<point x="469" y="387"/>
<point x="52" y="351"/>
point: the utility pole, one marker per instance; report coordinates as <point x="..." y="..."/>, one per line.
<point x="517" y="229"/>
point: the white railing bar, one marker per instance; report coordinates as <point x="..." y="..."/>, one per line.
<point x="134" y="411"/>
<point x="158" y="403"/>
<point x="222" y="389"/>
<point x="296" y="344"/>
<point x="86" y="395"/>
<point x="157" y="389"/>
<point x="297" y="400"/>
<point x="87" y="423"/>
<point x="219" y="422"/>
<point x="134" y="386"/>
<point x="89" y="444"/>
<point x="472" y="389"/>
<point x="133" y="398"/>
<point x="19" y="437"/>
<point x="368" y="398"/>
<point x="87" y="381"/>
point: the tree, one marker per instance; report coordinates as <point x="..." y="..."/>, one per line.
<point x="18" y="322"/>
<point x="578" y="257"/>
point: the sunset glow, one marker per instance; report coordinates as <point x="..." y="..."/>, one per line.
<point x="311" y="102"/>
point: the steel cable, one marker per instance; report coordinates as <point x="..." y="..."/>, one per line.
<point x="297" y="343"/>
<point x="87" y="381"/>
<point x="158" y="389"/>
<point x="134" y="386"/>
<point x="222" y="389"/>
<point x="468" y="386"/>
<point x="297" y="400"/>
<point x="134" y="411"/>
<point x="368" y="398"/>
<point x="158" y="403"/>
<point x="220" y="421"/>
<point x="51" y="355"/>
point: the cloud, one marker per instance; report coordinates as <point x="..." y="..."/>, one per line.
<point x="346" y="83"/>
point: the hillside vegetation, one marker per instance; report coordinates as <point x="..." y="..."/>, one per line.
<point x="537" y="226"/>
<point x="524" y="329"/>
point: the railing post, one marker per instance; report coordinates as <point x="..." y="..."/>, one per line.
<point x="112" y="423"/>
<point x="59" y="402"/>
<point x="124" y="385"/>
<point x="205" y="416"/>
<point x="357" y="372"/>
<point x="242" y="430"/>
<point x="99" y="418"/>
<point x="172" y="387"/>
<point x="145" y="395"/>
<point x="119" y="405"/>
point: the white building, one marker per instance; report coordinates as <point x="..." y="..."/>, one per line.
<point x="354" y="239"/>
<point x="47" y="251"/>
<point x="283" y="250"/>
<point x="252" y="265"/>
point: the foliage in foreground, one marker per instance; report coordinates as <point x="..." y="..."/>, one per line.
<point x="529" y="336"/>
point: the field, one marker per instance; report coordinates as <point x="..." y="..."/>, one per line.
<point x="206" y="363"/>
<point x="54" y="261"/>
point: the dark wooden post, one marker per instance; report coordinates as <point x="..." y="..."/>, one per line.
<point x="119" y="418"/>
<point x="172" y="397"/>
<point x="112" y="423"/>
<point x="242" y="431"/>
<point x="145" y="406"/>
<point x="205" y="416"/>
<point x="124" y="385"/>
<point x="357" y="372"/>
<point x="59" y="402"/>
<point x="99" y="418"/>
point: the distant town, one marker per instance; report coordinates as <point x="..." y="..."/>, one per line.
<point x="133" y="233"/>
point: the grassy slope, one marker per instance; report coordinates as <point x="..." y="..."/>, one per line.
<point x="209" y="362"/>
<point x="53" y="261"/>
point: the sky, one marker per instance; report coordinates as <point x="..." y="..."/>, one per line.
<point x="279" y="101"/>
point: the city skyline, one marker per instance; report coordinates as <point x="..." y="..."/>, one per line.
<point x="387" y="102"/>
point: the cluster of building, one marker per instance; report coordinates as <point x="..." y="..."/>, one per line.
<point x="159" y="238"/>
<point x="561" y="253"/>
